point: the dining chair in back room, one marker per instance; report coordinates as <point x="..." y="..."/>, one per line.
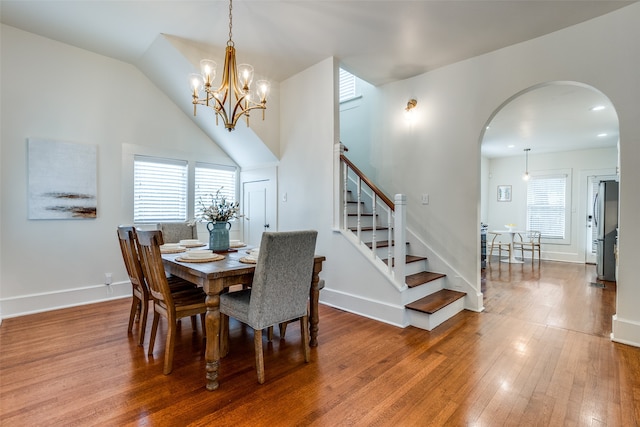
<point x="497" y="243"/>
<point x="279" y="291"/>
<point x="528" y="241"/>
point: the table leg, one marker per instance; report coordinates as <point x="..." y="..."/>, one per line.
<point x="314" y="317"/>
<point x="212" y="350"/>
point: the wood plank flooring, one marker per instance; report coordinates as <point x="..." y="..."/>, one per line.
<point x="539" y="355"/>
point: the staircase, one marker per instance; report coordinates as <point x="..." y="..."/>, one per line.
<point x="426" y="300"/>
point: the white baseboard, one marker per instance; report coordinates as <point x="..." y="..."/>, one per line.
<point x="625" y="331"/>
<point x="376" y="310"/>
<point x="47" y="301"/>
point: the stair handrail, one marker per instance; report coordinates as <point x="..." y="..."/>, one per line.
<point x="387" y="201"/>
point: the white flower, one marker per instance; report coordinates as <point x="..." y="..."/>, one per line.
<point x="219" y="210"/>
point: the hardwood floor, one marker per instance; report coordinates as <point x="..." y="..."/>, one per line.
<point x="538" y="355"/>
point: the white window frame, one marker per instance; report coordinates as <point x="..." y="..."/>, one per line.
<point x="189" y="193"/>
<point x="215" y="177"/>
<point x="160" y="189"/>
<point x="346" y="86"/>
<point x="565" y="174"/>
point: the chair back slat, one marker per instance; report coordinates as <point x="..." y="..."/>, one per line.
<point x="127" y="239"/>
<point x="149" y="243"/>
<point x="280" y="287"/>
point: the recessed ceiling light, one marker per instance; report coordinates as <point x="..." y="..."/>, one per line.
<point x="602" y="134"/>
<point x="597" y="108"/>
<point x="510" y="146"/>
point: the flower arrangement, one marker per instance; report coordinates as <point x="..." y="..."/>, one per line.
<point x="219" y="210"/>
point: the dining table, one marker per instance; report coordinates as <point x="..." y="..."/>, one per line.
<point x="217" y="276"/>
<point x="512" y="258"/>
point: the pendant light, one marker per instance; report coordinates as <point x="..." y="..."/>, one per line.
<point x="233" y="98"/>
<point x="525" y="176"/>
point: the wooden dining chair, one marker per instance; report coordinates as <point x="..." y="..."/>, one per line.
<point x="496" y="243"/>
<point x="528" y="241"/>
<point x="279" y="291"/>
<point x="171" y="305"/>
<point x="139" y="288"/>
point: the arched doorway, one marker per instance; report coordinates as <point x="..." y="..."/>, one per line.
<point x="571" y="130"/>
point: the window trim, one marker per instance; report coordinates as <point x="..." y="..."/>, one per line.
<point x="568" y="198"/>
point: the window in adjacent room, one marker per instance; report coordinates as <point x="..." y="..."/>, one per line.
<point x="547" y="205"/>
<point x="160" y="189"/>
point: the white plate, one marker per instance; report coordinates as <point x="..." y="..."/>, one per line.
<point x="199" y="253"/>
<point x="190" y="242"/>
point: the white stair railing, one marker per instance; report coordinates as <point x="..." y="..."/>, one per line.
<point x="356" y="186"/>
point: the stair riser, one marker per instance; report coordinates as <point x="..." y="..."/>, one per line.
<point x="431" y="321"/>
<point x="381" y="234"/>
<point x="365" y="221"/>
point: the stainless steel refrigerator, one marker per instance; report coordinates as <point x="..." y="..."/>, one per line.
<point x="606" y="222"/>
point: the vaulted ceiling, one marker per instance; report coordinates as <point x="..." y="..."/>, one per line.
<point x="379" y="41"/>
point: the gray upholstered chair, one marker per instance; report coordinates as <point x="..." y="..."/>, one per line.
<point x="279" y="291"/>
<point x="173" y="232"/>
<point x="283" y="325"/>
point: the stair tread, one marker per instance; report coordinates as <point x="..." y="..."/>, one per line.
<point x="421" y="278"/>
<point x="409" y="259"/>
<point x="368" y="228"/>
<point x="382" y="244"/>
<point x="436" y="301"/>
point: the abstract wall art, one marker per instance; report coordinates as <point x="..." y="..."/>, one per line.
<point x="62" y="181"/>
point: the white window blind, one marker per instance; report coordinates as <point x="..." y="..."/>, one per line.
<point x="210" y="178"/>
<point x="159" y="190"/>
<point x="347" y="85"/>
<point x="546" y="205"/>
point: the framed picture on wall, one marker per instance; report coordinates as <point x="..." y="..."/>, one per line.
<point x="504" y="193"/>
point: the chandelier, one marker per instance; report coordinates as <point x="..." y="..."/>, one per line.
<point x="233" y="98"/>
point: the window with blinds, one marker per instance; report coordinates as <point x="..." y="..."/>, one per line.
<point x="210" y="178"/>
<point x="347" y="85"/>
<point x="159" y="189"/>
<point x="546" y="205"/>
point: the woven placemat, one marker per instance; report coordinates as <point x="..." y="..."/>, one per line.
<point x="237" y="245"/>
<point x="195" y="245"/>
<point x="248" y="260"/>
<point x="215" y="257"/>
<point x="172" y="250"/>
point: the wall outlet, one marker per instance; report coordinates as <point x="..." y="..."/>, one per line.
<point x="107" y="278"/>
<point x="425" y="199"/>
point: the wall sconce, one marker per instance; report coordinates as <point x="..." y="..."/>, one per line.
<point x="409" y="112"/>
<point x="411" y="105"/>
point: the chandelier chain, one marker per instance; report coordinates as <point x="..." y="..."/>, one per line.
<point x="230" y="42"/>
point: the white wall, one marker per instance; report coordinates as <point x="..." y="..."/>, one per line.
<point x="52" y="90"/>
<point x="440" y="153"/>
<point x="578" y="164"/>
